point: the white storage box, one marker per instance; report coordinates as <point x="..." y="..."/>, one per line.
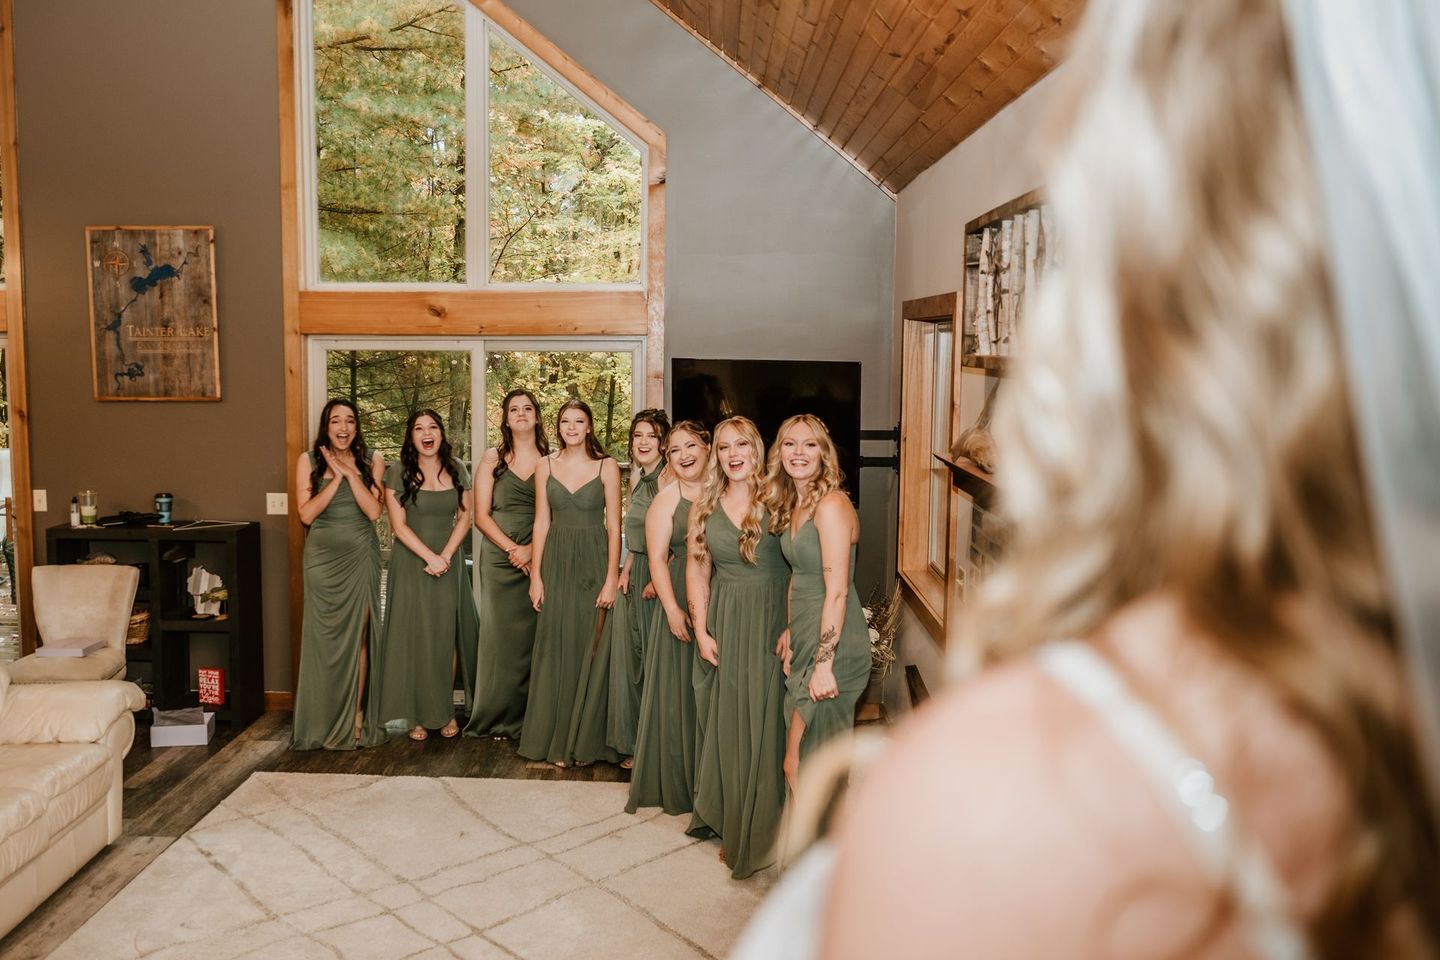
<point x="183" y="734"/>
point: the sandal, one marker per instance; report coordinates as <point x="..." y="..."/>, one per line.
<point x="450" y="730"/>
<point x="419" y="733"/>
<point x="628" y="763"/>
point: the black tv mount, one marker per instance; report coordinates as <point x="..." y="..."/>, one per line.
<point x="889" y="436"/>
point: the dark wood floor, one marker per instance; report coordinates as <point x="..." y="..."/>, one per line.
<point x="168" y="791"/>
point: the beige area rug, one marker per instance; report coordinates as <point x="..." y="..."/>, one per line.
<point x="296" y="865"/>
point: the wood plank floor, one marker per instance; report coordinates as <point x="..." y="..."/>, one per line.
<point x="168" y="790"/>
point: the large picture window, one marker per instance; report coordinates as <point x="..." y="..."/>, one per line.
<point x="442" y="153"/>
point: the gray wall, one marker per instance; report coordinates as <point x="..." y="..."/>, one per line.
<point x="164" y="111"/>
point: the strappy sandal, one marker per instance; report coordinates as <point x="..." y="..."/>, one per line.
<point x="419" y="733"/>
<point x="451" y="730"/>
<point x="628" y="763"/>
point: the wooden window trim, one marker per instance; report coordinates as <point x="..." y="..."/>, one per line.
<point x="12" y="321"/>
<point x="926" y="592"/>
<point x="508" y="312"/>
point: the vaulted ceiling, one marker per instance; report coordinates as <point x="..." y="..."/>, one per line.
<point x="891" y="84"/>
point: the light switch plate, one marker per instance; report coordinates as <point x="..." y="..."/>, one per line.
<point x="277" y="503"/>
<point x="39" y="501"/>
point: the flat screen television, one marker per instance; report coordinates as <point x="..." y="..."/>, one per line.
<point x="768" y="391"/>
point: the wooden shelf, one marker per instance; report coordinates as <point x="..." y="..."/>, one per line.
<point x="999" y="365"/>
<point x="976" y="483"/>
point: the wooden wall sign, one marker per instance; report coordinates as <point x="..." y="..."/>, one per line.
<point x="153" y="327"/>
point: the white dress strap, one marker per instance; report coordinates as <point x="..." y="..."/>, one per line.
<point x="1188" y="791"/>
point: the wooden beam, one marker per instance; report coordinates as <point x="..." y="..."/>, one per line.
<point x="561" y="62"/>
<point x="295" y="373"/>
<point x="655" y="278"/>
<point x="471" y="313"/>
<point x="17" y="378"/>
<point x="940" y="307"/>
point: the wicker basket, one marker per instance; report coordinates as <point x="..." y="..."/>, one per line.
<point x="139" y="629"/>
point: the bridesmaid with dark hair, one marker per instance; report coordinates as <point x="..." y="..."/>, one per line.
<point x="339" y="501"/>
<point x="505" y="514"/>
<point x="736" y="582"/>
<point x="605" y="714"/>
<point x="430" y="622"/>
<point x="574" y="575"/>
<point x="665" y="740"/>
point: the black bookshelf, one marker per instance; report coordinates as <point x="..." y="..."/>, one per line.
<point x="178" y="642"/>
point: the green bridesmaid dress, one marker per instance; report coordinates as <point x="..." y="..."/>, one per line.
<point x="507" y="618"/>
<point x="739" y="780"/>
<point x="342" y="613"/>
<point x="430" y="622"/>
<point x="631" y="620"/>
<point x="827" y="718"/>
<point x="573" y="571"/>
<point x="603" y="724"/>
<point x="664" y="774"/>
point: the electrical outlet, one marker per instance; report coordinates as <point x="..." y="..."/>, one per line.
<point x="277" y="503"/>
<point x="39" y="501"/>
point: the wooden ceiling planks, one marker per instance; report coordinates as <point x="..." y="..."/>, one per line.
<point x="892" y="85"/>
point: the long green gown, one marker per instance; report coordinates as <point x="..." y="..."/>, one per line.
<point x="507" y="618"/>
<point x="603" y="724"/>
<point x="827" y="718"/>
<point x="342" y="614"/>
<point x="430" y="622"/>
<point x="664" y="774"/>
<point x="627" y="651"/>
<point x="573" y="570"/>
<point x="739" y="780"/>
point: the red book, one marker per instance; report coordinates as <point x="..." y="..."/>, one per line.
<point x="212" y="686"/>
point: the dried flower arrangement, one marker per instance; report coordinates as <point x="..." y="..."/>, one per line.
<point x="882" y="616"/>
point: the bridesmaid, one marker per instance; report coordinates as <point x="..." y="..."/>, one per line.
<point x="338" y="499"/>
<point x="574" y="575"/>
<point x="738" y="618"/>
<point x="430" y="621"/>
<point x="665" y="739"/>
<point x="826" y="649"/>
<point x="630" y="622"/>
<point x="505" y="514"/>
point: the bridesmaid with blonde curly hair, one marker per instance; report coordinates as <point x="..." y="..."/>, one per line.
<point x="736" y="581"/>
<point x="826" y="649"/>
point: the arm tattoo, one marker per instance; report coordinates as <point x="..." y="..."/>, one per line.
<point x="829" y="640"/>
<point x="826" y="569"/>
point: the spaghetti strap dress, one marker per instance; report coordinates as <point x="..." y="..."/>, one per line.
<point x="835" y="716"/>
<point x="739" y="781"/>
<point x="629" y="623"/>
<point x="507" y="618"/>
<point x="342" y="616"/>
<point x="430" y="622"/>
<point x="664" y="774"/>
<point x="573" y="571"/>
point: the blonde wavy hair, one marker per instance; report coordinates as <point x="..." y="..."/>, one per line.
<point x="1179" y="422"/>
<point x="716" y="483"/>
<point x="780" y="496"/>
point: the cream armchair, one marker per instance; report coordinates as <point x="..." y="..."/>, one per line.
<point x="81" y="603"/>
<point x="62" y="752"/>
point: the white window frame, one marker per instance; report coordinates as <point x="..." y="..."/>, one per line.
<point x="478" y="28"/>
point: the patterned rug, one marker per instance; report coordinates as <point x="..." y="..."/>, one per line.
<point x="297" y="865"/>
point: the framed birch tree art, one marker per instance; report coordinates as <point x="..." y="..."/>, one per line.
<point x="153" y="333"/>
<point x="1007" y="251"/>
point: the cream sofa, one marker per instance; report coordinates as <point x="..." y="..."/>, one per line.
<point x="62" y="750"/>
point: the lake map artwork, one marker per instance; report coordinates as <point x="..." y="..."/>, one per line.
<point x="153" y="327"/>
